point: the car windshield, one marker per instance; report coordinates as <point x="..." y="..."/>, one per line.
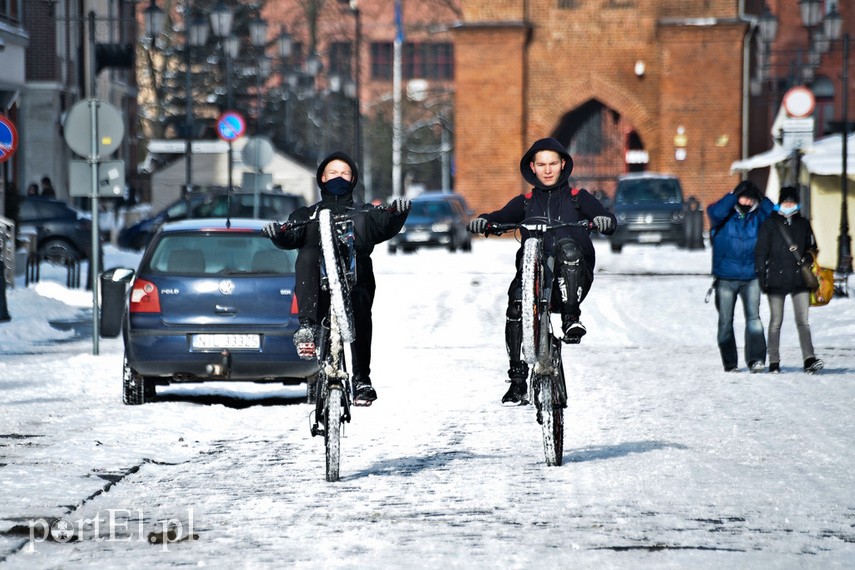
<point x="431" y="209"/>
<point x="220" y="253"/>
<point x="648" y="191"/>
<point x="243" y="206"/>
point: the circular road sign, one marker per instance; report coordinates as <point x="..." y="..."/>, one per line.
<point x="78" y="128"/>
<point x="231" y="126"/>
<point x="799" y="102"/>
<point x="258" y="152"/>
<point x="8" y="139"/>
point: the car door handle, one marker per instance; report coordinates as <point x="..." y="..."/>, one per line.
<point x="223" y="310"/>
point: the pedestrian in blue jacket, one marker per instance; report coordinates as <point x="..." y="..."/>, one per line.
<point x="734" y="224"/>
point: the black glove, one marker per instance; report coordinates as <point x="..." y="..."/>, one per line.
<point x="402" y="205"/>
<point x="271" y="229"/>
<point x="477" y="226"/>
<point x="603" y="224"/>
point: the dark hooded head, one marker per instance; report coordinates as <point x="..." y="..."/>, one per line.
<point x="529" y="157"/>
<point x="788" y="194"/>
<point x="748" y="189"/>
<point x="335" y="185"/>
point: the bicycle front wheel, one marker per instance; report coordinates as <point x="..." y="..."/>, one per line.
<point x="339" y="297"/>
<point x="551" y="412"/>
<point x="332" y="432"/>
<point x="530" y="288"/>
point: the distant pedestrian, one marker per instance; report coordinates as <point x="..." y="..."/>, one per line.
<point x="734" y="223"/>
<point x="47" y="191"/>
<point x="785" y="236"/>
<point x="33" y="189"/>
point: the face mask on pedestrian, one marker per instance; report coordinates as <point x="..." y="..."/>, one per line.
<point x="788" y="210"/>
<point x="337" y="186"/>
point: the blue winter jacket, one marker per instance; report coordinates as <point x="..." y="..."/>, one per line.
<point x="734" y="236"/>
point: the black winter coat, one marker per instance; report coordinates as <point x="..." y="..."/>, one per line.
<point x="371" y="225"/>
<point x="776" y="266"/>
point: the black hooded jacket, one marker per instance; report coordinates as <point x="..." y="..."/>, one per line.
<point x="557" y="202"/>
<point x="372" y="225"/>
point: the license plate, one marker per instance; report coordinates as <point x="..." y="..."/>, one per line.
<point x="219" y="341"/>
<point x="649" y="238"/>
<point x="418" y="236"/>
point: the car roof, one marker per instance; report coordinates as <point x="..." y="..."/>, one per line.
<point x="641" y="175"/>
<point x="437" y="196"/>
<point x="216" y="224"/>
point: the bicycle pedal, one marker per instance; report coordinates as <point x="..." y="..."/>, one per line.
<point x="572" y="339"/>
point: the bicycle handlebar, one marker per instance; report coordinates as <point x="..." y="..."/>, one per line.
<point x="290" y="225"/>
<point x="535" y="225"/>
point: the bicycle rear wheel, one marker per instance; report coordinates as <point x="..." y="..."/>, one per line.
<point x="332" y="432"/>
<point x="551" y="416"/>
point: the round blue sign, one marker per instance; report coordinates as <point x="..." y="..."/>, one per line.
<point x="231" y="126"/>
<point x="8" y="139"/>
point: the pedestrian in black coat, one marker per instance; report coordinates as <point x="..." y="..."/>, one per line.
<point x="780" y="275"/>
<point x="337" y="177"/>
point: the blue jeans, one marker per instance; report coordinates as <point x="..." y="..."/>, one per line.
<point x="726" y="292"/>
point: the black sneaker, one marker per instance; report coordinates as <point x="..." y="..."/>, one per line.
<point x="572" y="328"/>
<point x="517" y="394"/>
<point x="731" y="369"/>
<point x="813" y="365"/>
<point x="363" y="393"/>
<point x="774" y="368"/>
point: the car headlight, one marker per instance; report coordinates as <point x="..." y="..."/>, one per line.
<point x="677" y="216"/>
<point x="621" y="217"/>
<point x="441" y="227"/>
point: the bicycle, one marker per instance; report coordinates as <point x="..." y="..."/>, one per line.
<point x="332" y="390"/>
<point x="541" y="346"/>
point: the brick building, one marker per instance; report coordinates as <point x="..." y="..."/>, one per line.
<point x="624" y="84"/>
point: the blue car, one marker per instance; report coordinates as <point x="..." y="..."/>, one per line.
<point x="211" y="300"/>
<point x="437" y="219"/>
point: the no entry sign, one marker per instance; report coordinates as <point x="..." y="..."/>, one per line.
<point x="8" y="139"/>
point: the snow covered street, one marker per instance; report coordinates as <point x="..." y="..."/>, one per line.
<point x="669" y="461"/>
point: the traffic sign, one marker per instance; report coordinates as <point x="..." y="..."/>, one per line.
<point x="797" y="133"/>
<point x="799" y="102"/>
<point x="111" y="178"/>
<point x="8" y="139"/>
<point x="258" y="152"/>
<point x="231" y="126"/>
<point x="77" y="129"/>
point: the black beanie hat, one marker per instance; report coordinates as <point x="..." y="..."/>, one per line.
<point x="789" y="193"/>
<point x="748" y="189"/>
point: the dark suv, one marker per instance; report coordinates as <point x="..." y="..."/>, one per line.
<point x="437" y="219"/>
<point x="272" y="206"/>
<point x="649" y="209"/>
<point x="62" y="232"/>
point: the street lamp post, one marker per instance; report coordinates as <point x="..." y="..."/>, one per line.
<point x="196" y="34"/>
<point x="354" y="9"/>
<point x="833" y="26"/>
<point x="221" y="24"/>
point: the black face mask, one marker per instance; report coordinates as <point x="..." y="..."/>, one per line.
<point x="337" y="186"/>
<point x="743" y="209"/>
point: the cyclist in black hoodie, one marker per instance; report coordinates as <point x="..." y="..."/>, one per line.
<point x="547" y="166"/>
<point x="337" y="177"/>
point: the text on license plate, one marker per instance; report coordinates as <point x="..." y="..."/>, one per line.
<point x="418" y="236"/>
<point x="649" y="237"/>
<point x="248" y="341"/>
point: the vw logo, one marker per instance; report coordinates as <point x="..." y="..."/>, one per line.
<point x="227" y="286"/>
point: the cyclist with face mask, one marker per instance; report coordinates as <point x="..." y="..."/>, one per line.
<point x="734" y="222"/>
<point x="337" y="177"/>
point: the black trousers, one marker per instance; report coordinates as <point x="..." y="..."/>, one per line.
<point x="314" y="303"/>
<point x="572" y="279"/>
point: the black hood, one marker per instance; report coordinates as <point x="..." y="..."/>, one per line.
<point x="545" y="144"/>
<point x="337" y="156"/>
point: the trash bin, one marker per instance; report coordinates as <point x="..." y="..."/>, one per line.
<point x="693" y="224"/>
<point x="114" y="286"/>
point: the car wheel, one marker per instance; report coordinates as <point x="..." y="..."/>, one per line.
<point x="467" y="245"/>
<point x="59" y="252"/>
<point x="141" y="241"/>
<point x="135" y="389"/>
<point x="393" y="250"/>
<point x="617" y="247"/>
